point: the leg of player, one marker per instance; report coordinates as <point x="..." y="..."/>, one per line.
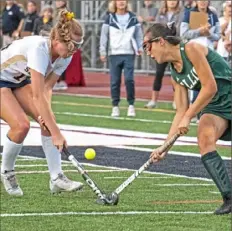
<point x="15" y="117"/>
<point x="59" y="182"/>
<point x="211" y="128"/>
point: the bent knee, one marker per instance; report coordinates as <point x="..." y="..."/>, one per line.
<point x="206" y="142"/>
<point x="21" y="127"/>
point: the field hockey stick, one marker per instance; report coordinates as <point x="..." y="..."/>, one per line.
<point x="102" y="197"/>
<point x="111" y="199"/>
<point x="164" y="148"/>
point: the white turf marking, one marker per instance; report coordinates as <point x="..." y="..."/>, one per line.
<point x="37" y="165"/>
<point x="148" y="172"/>
<point x="118" y="118"/>
<point x="170" y="152"/>
<point x="174" y="185"/>
<point x="46" y="171"/>
<point x="140" y="177"/>
<point x="104" y="213"/>
<point x="214" y="192"/>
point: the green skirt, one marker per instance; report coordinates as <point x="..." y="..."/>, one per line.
<point x="221" y="105"/>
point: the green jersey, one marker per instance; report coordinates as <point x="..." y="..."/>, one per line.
<point x="188" y="76"/>
<point x="221" y="103"/>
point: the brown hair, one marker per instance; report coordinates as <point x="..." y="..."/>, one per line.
<point x="164" y="9"/>
<point x="66" y="26"/>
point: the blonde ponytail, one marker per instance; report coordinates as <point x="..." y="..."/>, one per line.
<point x="65" y="26"/>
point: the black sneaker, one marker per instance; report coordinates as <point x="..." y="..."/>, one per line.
<point x="225" y="208"/>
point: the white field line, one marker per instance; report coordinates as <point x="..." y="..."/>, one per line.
<point x="140" y="177"/>
<point x="190" y="154"/>
<point x="101" y="96"/>
<point x="37" y="165"/>
<point x="118" y="118"/>
<point x="105" y="213"/>
<point x="46" y="171"/>
<point x="148" y="172"/>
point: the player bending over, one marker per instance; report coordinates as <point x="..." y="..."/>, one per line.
<point x="29" y="69"/>
<point x="196" y="67"/>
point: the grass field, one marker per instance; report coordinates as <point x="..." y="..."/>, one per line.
<point x="156" y="202"/>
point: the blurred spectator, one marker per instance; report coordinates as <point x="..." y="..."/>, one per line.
<point x="189" y="4"/>
<point x="12" y="22"/>
<point x="43" y="24"/>
<point x="171" y="11"/>
<point x="148" y="13"/>
<point x="206" y="34"/>
<point x="30" y="18"/>
<point x="225" y="23"/>
<point x="122" y="33"/>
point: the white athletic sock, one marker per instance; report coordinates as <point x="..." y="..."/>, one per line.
<point x="53" y="156"/>
<point x="9" y="155"/>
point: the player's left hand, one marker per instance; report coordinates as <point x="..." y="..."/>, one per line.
<point x="184" y="125"/>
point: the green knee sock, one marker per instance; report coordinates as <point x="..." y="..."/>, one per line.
<point x="217" y="170"/>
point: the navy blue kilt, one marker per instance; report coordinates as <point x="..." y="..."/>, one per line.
<point x="14" y="86"/>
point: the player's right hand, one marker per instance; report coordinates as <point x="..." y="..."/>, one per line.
<point x="59" y="141"/>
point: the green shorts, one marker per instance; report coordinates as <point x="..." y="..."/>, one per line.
<point x="221" y="106"/>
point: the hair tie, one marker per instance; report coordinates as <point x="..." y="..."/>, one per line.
<point x="70" y="15"/>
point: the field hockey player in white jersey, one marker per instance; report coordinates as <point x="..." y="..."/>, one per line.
<point x="30" y="68"/>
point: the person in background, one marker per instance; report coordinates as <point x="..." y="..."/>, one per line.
<point x="122" y="33"/>
<point x="30" y="18"/>
<point x="206" y="34"/>
<point x="188" y="4"/>
<point x="44" y="24"/>
<point x="148" y="13"/>
<point x="12" y="22"/>
<point x="171" y="11"/>
<point x="225" y="23"/>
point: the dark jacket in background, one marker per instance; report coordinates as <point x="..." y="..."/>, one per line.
<point x="11" y="19"/>
<point x="41" y="26"/>
<point x="29" y="21"/>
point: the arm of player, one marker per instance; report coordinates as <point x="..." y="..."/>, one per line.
<point x="182" y="104"/>
<point x="44" y="108"/>
<point x="197" y="55"/>
<point x="50" y="82"/>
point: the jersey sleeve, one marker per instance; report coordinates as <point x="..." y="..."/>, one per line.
<point x="63" y="66"/>
<point x="38" y="60"/>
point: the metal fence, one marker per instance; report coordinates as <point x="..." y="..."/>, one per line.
<point x="90" y="50"/>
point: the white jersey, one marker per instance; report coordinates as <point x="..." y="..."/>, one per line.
<point x="30" y="52"/>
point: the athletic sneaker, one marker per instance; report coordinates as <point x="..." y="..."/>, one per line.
<point x="10" y="183"/>
<point x="115" y="112"/>
<point x="131" y="111"/>
<point x="63" y="184"/>
<point x="225" y="208"/>
<point x="150" y="104"/>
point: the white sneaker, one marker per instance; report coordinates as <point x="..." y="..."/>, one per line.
<point x="131" y="111"/>
<point x="150" y="104"/>
<point x="63" y="184"/>
<point x="115" y="112"/>
<point x="63" y="85"/>
<point x="10" y="183"/>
